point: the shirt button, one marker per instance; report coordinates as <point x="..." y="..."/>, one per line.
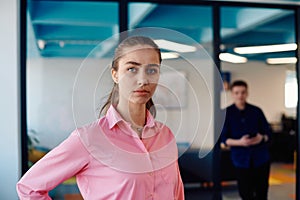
<point x="151" y="173"/>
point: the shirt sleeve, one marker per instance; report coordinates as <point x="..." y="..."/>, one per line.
<point x="225" y="131"/>
<point x="179" y="186"/>
<point x="264" y="124"/>
<point x="61" y="163"/>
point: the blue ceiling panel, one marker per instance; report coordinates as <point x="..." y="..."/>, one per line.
<point x="54" y="50"/>
<point x="74" y="13"/>
<point x="178" y="16"/>
<point x="251" y="38"/>
<point x="193" y="33"/>
<point x="228" y="17"/>
<point x="70" y="32"/>
<point x="74" y="28"/>
<point x="283" y="24"/>
<point x="71" y="28"/>
<point x="264" y="56"/>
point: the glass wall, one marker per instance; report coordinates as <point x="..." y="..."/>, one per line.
<point x="61" y="36"/>
<point x="258" y="46"/>
<point x="193" y="21"/>
<point x="182" y="28"/>
<point x="70" y="43"/>
<point x="193" y="123"/>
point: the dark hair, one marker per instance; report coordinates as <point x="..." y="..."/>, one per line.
<point x="238" y="83"/>
<point x="120" y="51"/>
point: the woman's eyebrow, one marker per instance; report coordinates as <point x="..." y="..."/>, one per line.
<point x="153" y="65"/>
<point x="133" y="63"/>
<point x="139" y="64"/>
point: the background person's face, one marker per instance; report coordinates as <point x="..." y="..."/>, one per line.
<point x="239" y="94"/>
<point x="137" y="75"/>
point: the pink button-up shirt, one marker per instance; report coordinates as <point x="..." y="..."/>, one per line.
<point x="110" y="161"/>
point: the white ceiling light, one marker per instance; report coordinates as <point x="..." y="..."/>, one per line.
<point x="169" y="55"/>
<point x="174" y="46"/>
<point x="61" y="44"/>
<point x="41" y="44"/>
<point x="277" y="61"/>
<point x="228" y="57"/>
<point x="266" y="48"/>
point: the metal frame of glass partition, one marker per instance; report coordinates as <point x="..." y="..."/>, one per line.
<point x="297" y="21"/>
<point x="23" y="96"/>
<point x="123" y="26"/>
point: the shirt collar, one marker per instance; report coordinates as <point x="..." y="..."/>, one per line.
<point x="246" y="106"/>
<point x="114" y="117"/>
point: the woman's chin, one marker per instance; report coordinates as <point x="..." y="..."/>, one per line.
<point x="139" y="100"/>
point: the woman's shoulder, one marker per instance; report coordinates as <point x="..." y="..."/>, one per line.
<point x="160" y="124"/>
<point x="163" y="128"/>
<point x="91" y="134"/>
<point x="88" y="129"/>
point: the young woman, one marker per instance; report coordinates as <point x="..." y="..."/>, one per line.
<point x="125" y="154"/>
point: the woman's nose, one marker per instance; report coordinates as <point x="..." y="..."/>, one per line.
<point x="142" y="79"/>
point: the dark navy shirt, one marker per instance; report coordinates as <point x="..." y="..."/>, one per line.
<point x="251" y="120"/>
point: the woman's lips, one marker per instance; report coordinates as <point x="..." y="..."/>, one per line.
<point x="141" y="92"/>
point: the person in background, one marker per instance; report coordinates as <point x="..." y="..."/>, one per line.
<point x="126" y="154"/>
<point x="247" y="133"/>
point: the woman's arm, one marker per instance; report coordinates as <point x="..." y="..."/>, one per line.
<point x="179" y="187"/>
<point x="61" y="163"/>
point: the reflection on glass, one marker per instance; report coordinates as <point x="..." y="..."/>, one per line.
<point x="190" y="46"/>
<point x="198" y="139"/>
<point x="263" y="37"/>
<point x="60" y="34"/>
<point x="193" y="21"/>
<point x="291" y="91"/>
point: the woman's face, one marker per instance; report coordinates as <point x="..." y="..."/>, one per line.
<point x="137" y="74"/>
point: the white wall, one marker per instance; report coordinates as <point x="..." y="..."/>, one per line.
<point x="65" y="93"/>
<point x="49" y="99"/>
<point x="266" y="85"/>
<point x="9" y="101"/>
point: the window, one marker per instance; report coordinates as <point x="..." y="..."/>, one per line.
<point x="291" y="90"/>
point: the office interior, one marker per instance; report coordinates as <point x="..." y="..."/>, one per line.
<point x="45" y="44"/>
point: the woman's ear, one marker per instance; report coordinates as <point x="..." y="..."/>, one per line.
<point x="114" y="75"/>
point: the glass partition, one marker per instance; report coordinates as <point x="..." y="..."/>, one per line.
<point x="60" y="36"/>
<point x="193" y="21"/>
<point x="192" y="123"/>
<point x="258" y="45"/>
<point x="188" y="30"/>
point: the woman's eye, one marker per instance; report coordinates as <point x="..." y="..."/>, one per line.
<point x="132" y="69"/>
<point x="152" y="71"/>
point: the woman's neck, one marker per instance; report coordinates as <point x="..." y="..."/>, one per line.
<point x="133" y="113"/>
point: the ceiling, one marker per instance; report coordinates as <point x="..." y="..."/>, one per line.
<point x="75" y="28"/>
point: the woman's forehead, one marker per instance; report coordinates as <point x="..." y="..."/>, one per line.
<point x="148" y="54"/>
<point x="136" y="48"/>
